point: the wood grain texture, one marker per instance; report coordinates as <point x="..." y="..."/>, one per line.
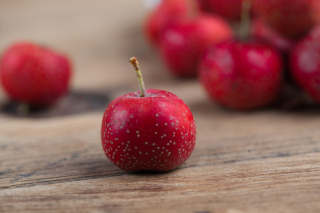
<point x="261" y="161"/>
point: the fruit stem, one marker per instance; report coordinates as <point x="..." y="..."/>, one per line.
<point x="136" y="67"/>
<point x="193" y="9"/>
<point x="245" y="20"/>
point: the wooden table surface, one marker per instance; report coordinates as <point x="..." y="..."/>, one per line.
<point x="261" y="161"/>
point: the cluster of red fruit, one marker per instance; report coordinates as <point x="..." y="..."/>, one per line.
<point x="195" y="39"/>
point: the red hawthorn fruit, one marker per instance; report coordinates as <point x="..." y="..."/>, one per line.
<point x="34" y="75"/>
<point x="260" y="30"/>
<point x="183" y="42"/>
<point x="150" y="130"/>
<point x="242" y="75"/>
<point x="165" y="13"/>
<point x="291" y="18"/>
<point x="228" y="9"/>
<point x="305" y="64"/>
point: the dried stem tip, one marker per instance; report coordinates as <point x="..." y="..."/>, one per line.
<point x="136" y="67"/>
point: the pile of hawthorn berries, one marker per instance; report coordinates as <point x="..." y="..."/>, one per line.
<point x="279" y="40"/>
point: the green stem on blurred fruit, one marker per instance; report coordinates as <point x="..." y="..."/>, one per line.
<point x="136" y="67"/>
<point x="245" y="20"/>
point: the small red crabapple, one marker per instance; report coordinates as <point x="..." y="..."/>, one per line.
<point x="34" y="75"/>
<point x="242" y="75"/>
<point x="148" y="130"/>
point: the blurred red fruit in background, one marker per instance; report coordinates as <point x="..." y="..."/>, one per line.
<point x="183" y="43"/>
<point x="291" y="18"/>
<point x="166" y="12"/>
<point x="305" y="64"/>
<point x="262" y="31"/>
<point x="228" y="9"/>
<point x="34" y="75"/>
<point x="242" y="75"/>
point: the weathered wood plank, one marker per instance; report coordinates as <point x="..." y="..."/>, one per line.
<point x="261" y="161"/>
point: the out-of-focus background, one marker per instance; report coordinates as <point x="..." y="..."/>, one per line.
<point x="51" y="161"/>
<point x="98" y="36"/>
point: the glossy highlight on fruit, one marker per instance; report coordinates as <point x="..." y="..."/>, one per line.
<point x="34" y="75"/>
<point x="151" y="132"/>
<point x="242" y="75"/>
